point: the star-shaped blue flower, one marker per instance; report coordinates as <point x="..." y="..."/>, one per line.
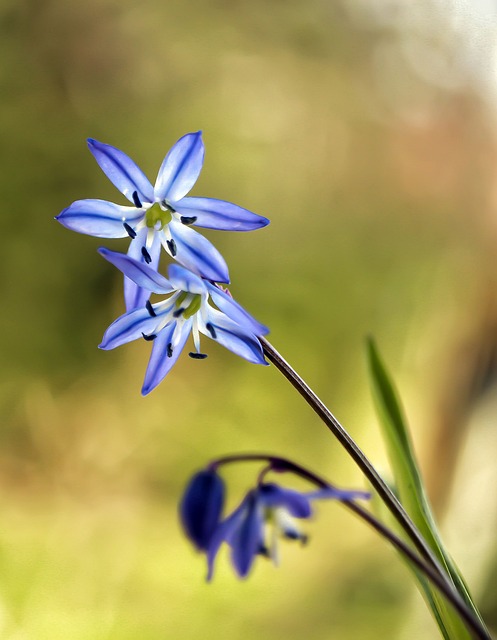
<point x="161" y="215"/>
<point x="187" y="309"/>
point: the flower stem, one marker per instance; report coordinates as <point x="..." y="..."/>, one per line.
<point x="354" y="451"/>
<point x="445" y="587"/>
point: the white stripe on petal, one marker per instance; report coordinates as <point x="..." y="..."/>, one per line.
<point x="99" y="218"/>
<point x="180" y="168"/>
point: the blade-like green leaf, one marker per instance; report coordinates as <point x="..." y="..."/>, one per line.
<point x="409" y="486"/>
<point x="424" y="585"/>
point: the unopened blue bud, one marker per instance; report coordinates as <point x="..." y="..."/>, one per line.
<point x="201" y="507"/>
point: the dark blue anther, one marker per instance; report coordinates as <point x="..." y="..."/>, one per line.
<point x="166" y="205"/>
<point x="178" y="312"/>
<point x="150" y="309"/>
<point x="149" y="337"/>
<point x="136" y="200"/>
<point x="169" y="350"/>
<point x="129" y="230"/>
<point x="197" y="356"/>
<point x="211" y="330"/>
<point x="171" y="245"/>
<point x="188" y="219"/>
<point x="146" y="255"/>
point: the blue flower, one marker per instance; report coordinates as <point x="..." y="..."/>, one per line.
<point x="161" y="214"/>
<point x="168" y="323"/>
<point x="266" y="509"/>
<point x="201" y="507"/>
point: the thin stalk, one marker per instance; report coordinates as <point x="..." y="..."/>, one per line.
<point x="377" y="482"/>
<point x="473" y="623"/>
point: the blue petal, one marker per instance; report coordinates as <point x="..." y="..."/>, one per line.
<point x="181" y="168"/>
<point x="219" y="214"/>
<point x="338" y="494"/>
<point x="197" y="254"/>
<point x="297" y="504"/>
<point x="134" y="295"/>
<point x="99" y="218"/>
<point x="142" y="274"/>
<point x="232" y="336"/>
<point x="128" y="327"/>
<point x="201" y="507"/>
<point x="223" y="531"/>
<point x="185" y="280"/>
<point x="246" y="540"/>
<point x="122" y="171"/>
<point x="160" y="362"/>
<point x="236" y="312"/>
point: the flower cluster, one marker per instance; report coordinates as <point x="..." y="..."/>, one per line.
<point x="266" y="513"/>
<point x="163" y="216"/>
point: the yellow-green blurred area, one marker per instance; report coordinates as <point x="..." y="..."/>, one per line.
<point x="366" y="132"/>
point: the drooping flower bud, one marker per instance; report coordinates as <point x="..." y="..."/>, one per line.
<point x="201" y="507"/>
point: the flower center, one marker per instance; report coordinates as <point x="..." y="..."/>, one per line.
<point x="187" y="304"/>
<point x="193" y="307"/>
<point x="157" y="214"/>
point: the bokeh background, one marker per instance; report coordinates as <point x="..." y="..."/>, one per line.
<point x="366" y="131"/>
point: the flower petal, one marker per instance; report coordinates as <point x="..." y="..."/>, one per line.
<point x="99" y="218"/>
<point x="160" y="362"/>
<point x="236" y="312"/>
<point x="224" y="531"/>
<point x="142" y="274"/>
<point x="185" y="280"/>
<point x="134" y="295"/>
<point x="201" y="507"/>
<point x="232" y="336"/>
<point x="197" y="254"/>
<point x="181" y="168"/>
<point x="128" y="327"/>
<point x="122" y="171"/>
<point x="247" y="538"/>
<point x="219" y="214"/>
<point x="296" y="503"/>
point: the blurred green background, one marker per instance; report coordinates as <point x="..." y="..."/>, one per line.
<point x="366" y="132"/>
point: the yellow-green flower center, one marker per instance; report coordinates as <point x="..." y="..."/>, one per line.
<point x="193" y="306"/>
<point x="157" y="214"/>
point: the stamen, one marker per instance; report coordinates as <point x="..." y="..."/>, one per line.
<point x="169" y="350"/>
<point x="136" y="200"/>
<point x="263" y="551"/>
<point x="295" y="535"/>
<point x="178" y="312"/>
<point x="197" y="356"/>
<point x="165" y="204"/>
<point x="150" y="309"/>
<point x="292" y="535"/>
<point x="171" y="245"/>
<point x="129" y="230"/>
<point x="188" y="219"/>
<point x="146" y="255"/>
<point x="211" y="330"/>
<point x="149" y="337"/>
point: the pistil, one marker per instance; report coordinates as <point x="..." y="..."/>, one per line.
<point x="158" y="213"/>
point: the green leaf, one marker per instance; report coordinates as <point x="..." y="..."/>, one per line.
<point x="412" y="494"/>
